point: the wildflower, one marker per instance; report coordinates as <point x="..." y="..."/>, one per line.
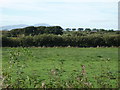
<point x="53" y="71"/>
<point x="83" y="69"/>
<point x="87" y="83"/>
<point x="43" y="85"/>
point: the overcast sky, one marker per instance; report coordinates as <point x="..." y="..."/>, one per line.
<point x="66" y="13"/>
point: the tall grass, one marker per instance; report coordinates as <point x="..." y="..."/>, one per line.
<point x="15" y="76"/>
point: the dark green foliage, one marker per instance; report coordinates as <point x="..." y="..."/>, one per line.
<point x="26" y="31"/>
<point x="5" y="41"/>
<point x="73" y="29"/>
<point x="112" y="40"/>
<point x="27" y="41"/>
<point x="5" y="33"/>
<point x="67" y="29"/>
<point x="87" y="29"/>
<point x="10" y="42"/>
<point x="94" y="29"/>
<point x="54" y="30"/>
<point x="117" y="32"/>
<point x="50" y="40"/>
<point x="55" y="36"/>
<point x="80" y="29"/>
<point x="77" y="33"/>
<point x="40" y="30"/>
<point x="111" y="30"/>
<point x="31" y="31"/>
<point x="102" y="30"/>
<point x="16" y="32"/>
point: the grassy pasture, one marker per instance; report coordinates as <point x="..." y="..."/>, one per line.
<point x="60" y="67"/>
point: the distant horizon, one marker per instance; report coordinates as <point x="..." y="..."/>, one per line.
<point x="56" y="25"/>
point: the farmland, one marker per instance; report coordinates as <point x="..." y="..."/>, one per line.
<point x="60" y="67"/>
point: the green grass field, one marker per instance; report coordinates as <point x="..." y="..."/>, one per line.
<point x="60" y="67"/>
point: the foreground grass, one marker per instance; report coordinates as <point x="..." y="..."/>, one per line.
<point x="60" y="67"/>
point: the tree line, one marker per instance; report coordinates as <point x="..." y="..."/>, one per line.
<point x="55" y="36"/>
<point x="31" y="31"/>
<point x="57" y="30"/>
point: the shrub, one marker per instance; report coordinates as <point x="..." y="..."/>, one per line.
<point x="51" y="40"/>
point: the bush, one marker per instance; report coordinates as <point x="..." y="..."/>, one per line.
<point x="10" y="42"/>
<point x="50" y="40"/>
<point x="27" y="41"/>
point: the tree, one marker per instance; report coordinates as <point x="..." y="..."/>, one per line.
<point x="67" y="29"/>
<point x="16" y="32"/>
<point x="54" y="30"/>
<point x="29" y="30"/>
<point x="6" y="33"/>
<point x="102" y="30"/>
<point x="73" y="29"/>
<point x="111" y="30"/>
<point x="40" y="30"/>
<point x="94" y="29"/>
<point x="58" y="30"/>
<point x="77" y="34"/>
<point x="80" y="29"/>
<point x="117" y="32"/>
<point x="88" y="29"/>
<point x="27" y="41"/>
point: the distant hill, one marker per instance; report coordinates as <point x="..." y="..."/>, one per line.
<point x="9" y="27"/>
<point x="41" y="24"/>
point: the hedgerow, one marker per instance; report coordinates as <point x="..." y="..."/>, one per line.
<point x="50" y="40"/>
